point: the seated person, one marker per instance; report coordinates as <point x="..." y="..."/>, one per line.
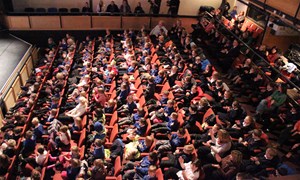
<point x="215" y="148"/>
<point x="28" y="144"/>
<point x="191" y="170"/>
<point x="139" y="171"/>
<point x="175" y="140"/>
<point x="258" y="164"/>
<point x="134" y="149"/>
<point x="251" y="144"/>
<point x="227" y="168"/>
<point x="172" y="124"/>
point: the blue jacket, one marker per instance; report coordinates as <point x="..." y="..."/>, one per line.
<point x="204" y="63"/>
<point x="131" y="107"/>
<point x="153" y="72"/>
<point x="175" y="141"/>
<point x="99" y="152"/>
<point x="72" y="172"/>
<point x="142" y="146"/>
<point x="158" y="79"/>
<point x="149" y="178"/>
<point x="169" y="110"/>
<point x="142" y="169"/>
<point x="38" y="132"/>
<point x="28" y="146"/>
<point x="130" y="69"/>
<point x="140" y="130"/>
<point x="172" y="125"/>
<point x="164" y="100"/>
<point x="123" y="95"/>
<point x="136" y="117"/>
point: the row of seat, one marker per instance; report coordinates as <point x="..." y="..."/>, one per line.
<point x="12" y="168"/>
<point x="51" y="10"/>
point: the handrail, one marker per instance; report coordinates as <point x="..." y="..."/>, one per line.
<point x="250" y="48"/>
<point x="96" y="14"/>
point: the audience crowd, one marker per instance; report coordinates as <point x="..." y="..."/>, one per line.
<point x="152" y="105"/>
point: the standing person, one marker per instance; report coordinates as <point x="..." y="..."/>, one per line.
<point x="173" y="6"/>
<point x="100" y="7"/>
<point x="139" y="9"/>
<point x="154" y="6"/>
<point x="125" y="8"/>
<point x="86" y="8"/>
<point x="156" y="30"/>
<point x="112" y="8"/>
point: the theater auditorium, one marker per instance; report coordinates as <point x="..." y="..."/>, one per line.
<point x="149" y="89"/>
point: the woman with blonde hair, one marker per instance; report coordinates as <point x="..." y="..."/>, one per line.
<point x="215" y="148"/>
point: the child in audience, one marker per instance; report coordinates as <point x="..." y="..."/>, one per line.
<point x="151" y="173"/>
<point x="28" y="144"/>
<point x="38" y="130"/>
<point x="175" y="140"/>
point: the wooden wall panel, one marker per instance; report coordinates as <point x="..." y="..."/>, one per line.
<point x="45" y="22"/>
<point x="135" y="22"/>
<point x="282" y="42"/>
<point x="18" y="22"/>
<point x="9" y="100"/>
<point x="104" y="22"/>
<point x="76" y="22"/>
<point x="16" y="86"/>
<point x="186" y="22"/>
<point x="29" y="65"/>
<point x="1" y="117"/>
<point x="168" y="21"/>
<point x="286" y="6"/>
<point x="24" y="76"/>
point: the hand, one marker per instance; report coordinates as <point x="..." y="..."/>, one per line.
<point x="295" y="146"/>
<point x="206" y="144"/>
<point x="254" y="159"/>
<point x="245" y="143"/>
<point x="181" y="160"/>
<point x="218" y="158"/>
<point x="216" y="166"/>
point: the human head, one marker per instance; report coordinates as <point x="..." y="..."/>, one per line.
<point x="236" y="157"/>
<point x="257" y="133"/>
<point x="149" y="140"/>
<point x="188" y="149"/>
<point x="28" y="134"/>
<point x="63" y="129"/>
<point x="35" y="121"/>
<point x="11" y="143"/>
<point x="98" y="142"/>
<point x="40" y="149"/>
<point x="223" y="136"/>
<point x="271" y="153"/>
<point x="181" y="132"/>
<point x="153" y="157"/>
<point x="152" y="171"/>
<point x="174" y="115"/>
<point x="196" y="165"/>
<point x="35" y="175"/>
<point x="248" y="121"/>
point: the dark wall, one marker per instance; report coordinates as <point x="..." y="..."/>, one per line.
<point x="39" y="38"/>
<point x="7" y="5"/>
